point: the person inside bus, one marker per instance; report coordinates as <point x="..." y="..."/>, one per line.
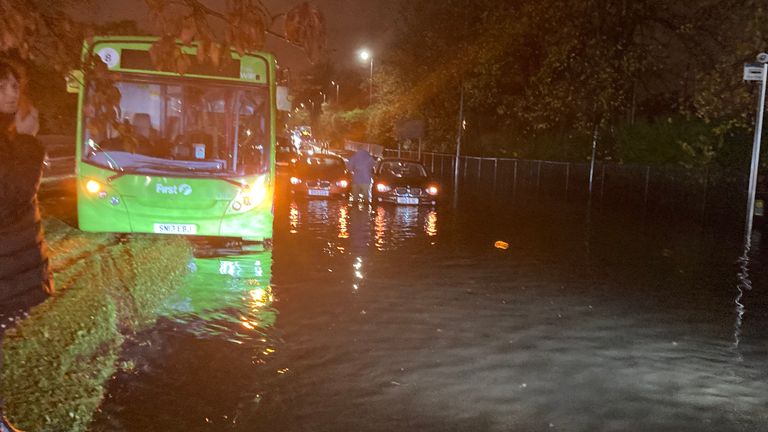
<point x="203" y="135"/>
<point x="252" y="137"/>
<point x="25" y="278"/>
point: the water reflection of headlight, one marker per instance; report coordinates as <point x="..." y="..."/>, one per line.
<point x="430" y="225"/>
<point x="293" y="217"/>
<point x="260" y="297"/>
<point x="343" y="222"/>
<point x="380" y="227"/>
<point x="358" y="269"/>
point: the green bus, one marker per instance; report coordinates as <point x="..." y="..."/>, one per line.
<point x="189" y="154"/>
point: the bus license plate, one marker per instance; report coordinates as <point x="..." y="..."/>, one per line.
<point x="406" y="200"/>
<point x="175" y="228"/>
<point x="318" y="192"/>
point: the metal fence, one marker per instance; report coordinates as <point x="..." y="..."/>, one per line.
<point x="662" y="189"/>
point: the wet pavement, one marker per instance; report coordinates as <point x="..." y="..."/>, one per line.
<point x="381" y="318"/>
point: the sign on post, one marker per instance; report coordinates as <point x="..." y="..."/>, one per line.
<point x="753" y="72"/>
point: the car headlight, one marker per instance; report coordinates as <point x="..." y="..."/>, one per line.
<point x="342" y="183"/>
<point x="381" y="187"/>
<point x="432" y="190"/>
<point x="295" y="180"/>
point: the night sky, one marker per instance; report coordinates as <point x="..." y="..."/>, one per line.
<point x="351" y="24"/>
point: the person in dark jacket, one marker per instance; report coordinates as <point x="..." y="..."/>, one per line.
<point x="361" y="165"/>
<point x="25" y="279"/>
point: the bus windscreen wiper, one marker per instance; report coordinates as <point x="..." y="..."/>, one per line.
<point x="137" y="170"/>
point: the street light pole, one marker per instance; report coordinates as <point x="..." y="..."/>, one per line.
<point x="366" y="55"/>
<point x="370" y="93"/>
<point x="762" y="58"/>
<point x="459" y="134"/>
<point x="334" y="83"/>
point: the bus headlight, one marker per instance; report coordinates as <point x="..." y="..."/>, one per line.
<point x="250" y="195"/>
<point x="96" y="189"/>
<point x="93" y="186"/>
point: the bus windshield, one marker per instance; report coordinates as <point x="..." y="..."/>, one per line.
<point x="189" y="127"/>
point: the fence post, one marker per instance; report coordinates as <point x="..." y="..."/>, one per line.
<point x="538" y="178"/>
<point x="479" y="171"/>
<point x="647" y="180"/>
<point x="466" y="160"/>
<point x="514" y="181"/>
<point x="442" y="173"/>
<point x="567" y="177"/>
<point x="433" y="163"/>
<point x="602" y="183"/>
<point x="495" y="171"/>
<point x="706" y="191"/>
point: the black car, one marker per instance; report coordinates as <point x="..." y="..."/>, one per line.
<point x="343" y="153"/>
<point x="320" y="176"/>
<point x="286" y="156"/>
<point x="403" y="181"/>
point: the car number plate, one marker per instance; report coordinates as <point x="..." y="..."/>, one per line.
<point x="318" y="192"/>
<point x="407" y="200"/>
<point x="163" y="228"/>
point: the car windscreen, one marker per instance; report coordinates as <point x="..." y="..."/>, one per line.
<point x="185" y="126"/>
<point x="322" y="164"/>
<point x="402" y="169"/>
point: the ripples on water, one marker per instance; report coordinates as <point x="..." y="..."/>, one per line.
<point x="380" y="318"/>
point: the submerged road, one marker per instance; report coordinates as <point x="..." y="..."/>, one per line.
<point x="382" y="318"/>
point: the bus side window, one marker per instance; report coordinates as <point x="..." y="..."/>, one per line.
<point x="252" y="136"/>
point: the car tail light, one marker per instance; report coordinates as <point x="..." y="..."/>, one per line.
<point x="432" y="190"/>
<point x="342" y="183"/>
<point x="295" y="180"/>
<point x="381" y="187"/>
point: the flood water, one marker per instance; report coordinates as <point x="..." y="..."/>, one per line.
<point x="371" y="318"/>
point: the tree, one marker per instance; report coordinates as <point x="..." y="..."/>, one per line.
<point x="42" y="32"/>
<point x="534" y="69"/>
<point x="42" y="29"/>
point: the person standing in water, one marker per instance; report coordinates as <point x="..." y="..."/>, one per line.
<point x="25" y="278"/>
<point x="361" y="165"/>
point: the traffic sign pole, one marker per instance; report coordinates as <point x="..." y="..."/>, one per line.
<point x="756" y="153"/>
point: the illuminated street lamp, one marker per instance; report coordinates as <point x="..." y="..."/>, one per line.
<point x="366" y="55"/>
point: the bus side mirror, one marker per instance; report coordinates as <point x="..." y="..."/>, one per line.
<point x="75" y="81"/>
<point x="283" y="100"/>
